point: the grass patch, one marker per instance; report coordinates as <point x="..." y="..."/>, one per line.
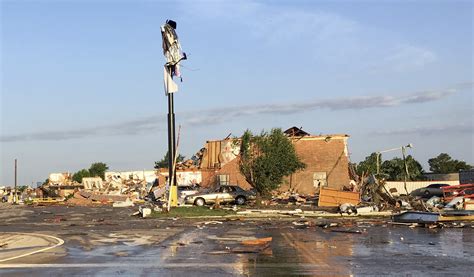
<point x="192" y="211"/>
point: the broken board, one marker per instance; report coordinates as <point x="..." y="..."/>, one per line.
<point x="334" y="198"/>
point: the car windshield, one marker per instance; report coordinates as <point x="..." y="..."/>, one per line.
<point x="225" y="189"/>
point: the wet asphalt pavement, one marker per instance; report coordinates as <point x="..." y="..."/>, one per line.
<point x="117" y="244"/>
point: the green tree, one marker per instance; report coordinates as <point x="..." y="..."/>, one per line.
<point x="80" y="174"/>
<point x="395" y="169"/>
<point x="266" y="159"/>
<point x="369" y="165"/>
<point x="163" y="163"/>
<point x="22" y="188"/>
<point x="98" y="170"/>
<point x="443" y="164"/>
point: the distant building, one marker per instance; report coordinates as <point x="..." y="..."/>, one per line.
<point x="441" y="177"/>
<point x="466" y="176"/>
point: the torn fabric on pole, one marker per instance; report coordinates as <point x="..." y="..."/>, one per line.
<point x="173" y="55"/>
<point x="170" y="85"/>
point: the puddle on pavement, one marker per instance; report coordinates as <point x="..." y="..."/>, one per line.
<point x="312" y="251"/>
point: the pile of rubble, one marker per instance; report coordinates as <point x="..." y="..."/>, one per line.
<point x="134" y="188"/>
<point x="369" y="195"/>
<point x="292" y="198"/>
<point x="192" y="164"/>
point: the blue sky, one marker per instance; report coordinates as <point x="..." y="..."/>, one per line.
<point x="81" y="81"/>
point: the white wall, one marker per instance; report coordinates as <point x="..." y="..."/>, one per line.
<point x="411" y="186"/>
<point x="148" y="175"/>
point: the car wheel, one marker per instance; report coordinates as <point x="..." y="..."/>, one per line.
<point x="427" y="193"/>
<point x="199" y="202"/>
<point x="240" y="200"/>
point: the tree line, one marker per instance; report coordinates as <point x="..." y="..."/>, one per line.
<point x="95" y="170"/>
<point x="394" y="169"/>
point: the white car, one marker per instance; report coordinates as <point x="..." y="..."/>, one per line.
<point x="225" y="194"/>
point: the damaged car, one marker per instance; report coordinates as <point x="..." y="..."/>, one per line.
<point x="223" y="194"/>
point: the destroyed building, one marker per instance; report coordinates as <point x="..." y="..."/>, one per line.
<point x="60" y="184"/>
<point x="184" y="177"/>
<point x="217" y="163"/>
<point x="147" y="176"/>
<point x="325" y="156"/>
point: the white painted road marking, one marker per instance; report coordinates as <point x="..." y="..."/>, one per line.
<point x="59" y="243"/>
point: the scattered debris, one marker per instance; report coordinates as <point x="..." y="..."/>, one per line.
<point x="212" y="222"/>
<point x="121" y="254"/>
<point x="347" y="208"/>
<point x="416" y="217"/>
<point x="145" y="212"/>
<point x="123" y="204"/>
<point x="367" y="209"/>
<point x="257" y="241"/>
<point x="301" y="224"/>
<point x="456" y="203"/>
<point x="433" y="202"/>
<point x="347" y="231"/>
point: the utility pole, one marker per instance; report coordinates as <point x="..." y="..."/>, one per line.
<point x="406" y="175"/>
<point x="403" y="148"/>
<point x="14" y="195"/>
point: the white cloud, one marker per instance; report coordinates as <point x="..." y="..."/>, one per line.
<point x="408" y="57"/>
<point x="219" y="115"/>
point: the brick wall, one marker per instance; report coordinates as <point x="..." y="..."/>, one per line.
<point x="231" y="169"/>
<point x="320" y="155"/>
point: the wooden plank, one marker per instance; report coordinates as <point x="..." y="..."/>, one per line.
<point x="333" y="198"/>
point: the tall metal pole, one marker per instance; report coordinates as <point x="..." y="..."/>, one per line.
<point x="173" y="54"/>
<point x="171" y="136"/>
<point x="14" y="195"/>
<point x="171" y="153"/>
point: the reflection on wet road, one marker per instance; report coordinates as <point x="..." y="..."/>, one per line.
<point x="209" y="251"/>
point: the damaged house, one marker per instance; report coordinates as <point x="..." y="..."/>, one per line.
<point x="325" y="156"/>
<point x="60" y="184"/>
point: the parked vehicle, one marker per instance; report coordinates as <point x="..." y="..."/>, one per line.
<point x="429" y="191"/>
<point x="225" y="194"/>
